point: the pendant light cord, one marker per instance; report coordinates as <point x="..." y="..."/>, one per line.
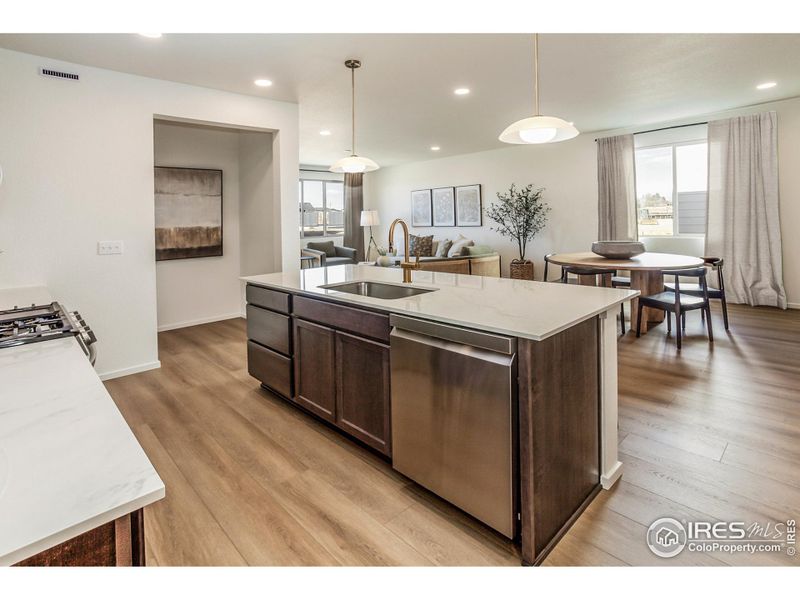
<point x="353" y="113"/>
<point x="536" y="74"/>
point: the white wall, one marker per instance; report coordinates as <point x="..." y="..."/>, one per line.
<point x="78" y="163"/>
<point x="199" y="290"/>
<point x="568" y="171"/>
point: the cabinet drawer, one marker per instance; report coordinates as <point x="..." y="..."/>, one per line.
<point x="269" y="329"/>
<point x="270" y="368"/>
<point x="354" y="320"/>
<point x="268" y="298"/>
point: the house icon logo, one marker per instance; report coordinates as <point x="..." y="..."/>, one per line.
<point x="666" y="537"/>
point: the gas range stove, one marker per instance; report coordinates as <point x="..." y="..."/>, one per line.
<point x="31" y="324"/>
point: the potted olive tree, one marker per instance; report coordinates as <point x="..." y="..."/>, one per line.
<point x="520" y="214"/>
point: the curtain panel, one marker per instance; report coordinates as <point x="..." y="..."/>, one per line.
<point x="353" y="205"/>
<point x="743" y="213"/>
<point x="616" y="188"/>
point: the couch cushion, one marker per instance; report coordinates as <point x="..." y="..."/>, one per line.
<point x="479" y="249"/>
<point x="443" y="248"/>
<point x="457" y="249"/>
<point x="332" y="261"/>
<point x="420" y="244"/>
<point x="326" y="247"/>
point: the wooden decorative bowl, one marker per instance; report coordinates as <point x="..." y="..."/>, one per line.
<point x="619" y="250"/>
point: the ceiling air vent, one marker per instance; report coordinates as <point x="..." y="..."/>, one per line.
<point x="59" y="74"/>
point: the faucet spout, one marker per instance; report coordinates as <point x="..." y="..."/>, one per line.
<point x="406" y="265"/>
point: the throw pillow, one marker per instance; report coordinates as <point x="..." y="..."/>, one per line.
<point x="420" y="245"/>
<point x="457" y="249"/>
<point x="479" y="249"/>
<point x="326" y="247"/>
<point x="444" y="248"/>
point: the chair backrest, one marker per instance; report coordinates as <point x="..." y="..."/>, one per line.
<point x="716" y="264"/>
<point x="699" y="273"/>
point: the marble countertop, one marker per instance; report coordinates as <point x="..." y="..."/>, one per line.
<point x="528" y="309"/>
<point x="68" y="460"/>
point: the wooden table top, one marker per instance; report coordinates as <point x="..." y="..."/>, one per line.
<point x="649" y="261"/>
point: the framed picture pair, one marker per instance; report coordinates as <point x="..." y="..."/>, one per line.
<point x="447" y="207"/>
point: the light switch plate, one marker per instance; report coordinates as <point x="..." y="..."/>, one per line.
<point x="110" y="247"/>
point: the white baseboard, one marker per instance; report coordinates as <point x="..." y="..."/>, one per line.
<point x="202" y="321"/>
<point x="130" y="370"/>
<point x="794" y="305"/>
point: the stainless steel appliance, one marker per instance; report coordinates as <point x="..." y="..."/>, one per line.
<point x="454" y="410"/>
<point x="31" y="324"/>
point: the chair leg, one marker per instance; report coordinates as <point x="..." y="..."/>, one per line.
<point x="724" y="312"/>
<point x="708" y="324"/>
<point x="678" y="328"/>
<point x="639" y="321"/>
<point x="669" y="322"/>
<point x="622" y="317"/>
<point x="683" y="321"/>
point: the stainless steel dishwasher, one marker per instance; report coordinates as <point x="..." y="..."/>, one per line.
<point x="454" y="409"/>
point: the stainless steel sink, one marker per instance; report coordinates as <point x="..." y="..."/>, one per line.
<point x="376" y="289"/>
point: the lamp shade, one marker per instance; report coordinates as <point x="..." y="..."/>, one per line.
<point x="369" y="218"/>
<point x="354" y="164"/>
<point x="538" y="130"/>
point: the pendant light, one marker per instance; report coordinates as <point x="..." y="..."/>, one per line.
<point x="353" y="163"/>
<point x="538" y="129"/>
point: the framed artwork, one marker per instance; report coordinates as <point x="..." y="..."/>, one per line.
<point x="188" y="207"/>
<point x="468" y="206"/>
<point x="444" y="208"/>
<point x="421" y="208"/>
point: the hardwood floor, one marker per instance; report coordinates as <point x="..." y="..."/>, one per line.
<point x="710" y="433"/>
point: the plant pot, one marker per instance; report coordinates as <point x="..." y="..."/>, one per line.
<point x="522" y="269"/>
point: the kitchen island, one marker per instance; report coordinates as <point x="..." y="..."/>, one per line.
<point x="73" y="478"/>
<point x="499" y="395"/>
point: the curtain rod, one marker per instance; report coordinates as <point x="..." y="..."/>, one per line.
<point x="665" y="128"/>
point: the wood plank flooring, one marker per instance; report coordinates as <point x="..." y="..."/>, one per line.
<point x="710" y="433"/>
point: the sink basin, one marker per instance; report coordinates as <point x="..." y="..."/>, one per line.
<point x="376" y="289"/>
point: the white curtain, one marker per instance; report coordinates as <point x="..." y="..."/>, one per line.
<point x="616" y="188"/>
<point x="743" y="216"/>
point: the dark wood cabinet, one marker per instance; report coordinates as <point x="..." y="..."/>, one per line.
<point x="362" y="390"/>
<point x="315" y="368"/>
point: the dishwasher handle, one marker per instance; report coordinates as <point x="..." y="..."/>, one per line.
<point x="487" y="356"/>
<point x="458" y="335"/>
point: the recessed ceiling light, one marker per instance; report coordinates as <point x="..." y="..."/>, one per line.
<point x="766" y="86"/>
<point x="150" y="35"/>
<point x="325" y="132"/>
<point x="435" y="148"/>
<point x="461" y="91"/>
<point x="263" y="82"/>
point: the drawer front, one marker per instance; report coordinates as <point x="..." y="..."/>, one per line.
<point x="354" y="320"/>
<point x="270" y="299"/>
<point x="270" y="368"/>
<point x="269" y="329"/>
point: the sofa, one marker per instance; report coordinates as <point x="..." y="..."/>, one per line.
<point x="471" y="259"/>
<point x="328" y="254"/>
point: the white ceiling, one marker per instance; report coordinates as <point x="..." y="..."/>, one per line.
<point x="405" y="101"/>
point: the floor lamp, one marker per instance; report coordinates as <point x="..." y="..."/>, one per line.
<point x="368" y="219"/>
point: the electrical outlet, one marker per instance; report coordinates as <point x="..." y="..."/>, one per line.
<point x="112" y="247"/>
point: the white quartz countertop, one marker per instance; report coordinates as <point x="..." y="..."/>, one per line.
<point x="68" y="460"/>
<point x="528" y="309"/>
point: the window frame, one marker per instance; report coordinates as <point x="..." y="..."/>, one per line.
<point x="301" y="203"/>
<point x="675" y="205"/>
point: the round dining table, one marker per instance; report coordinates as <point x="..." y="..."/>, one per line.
<point x="647" y="274"/>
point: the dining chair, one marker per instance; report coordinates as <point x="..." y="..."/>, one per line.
<point x="693" y="289"/>
<point x="565" y="272"/>
<point x="676" y="301"/>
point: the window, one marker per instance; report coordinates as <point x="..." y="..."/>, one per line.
<point x="321" y="208"/>
<point x="671" y="189"/>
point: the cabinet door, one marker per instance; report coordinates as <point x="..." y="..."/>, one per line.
<point x="362" y="391"/>
<point x="315" y="375"/>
